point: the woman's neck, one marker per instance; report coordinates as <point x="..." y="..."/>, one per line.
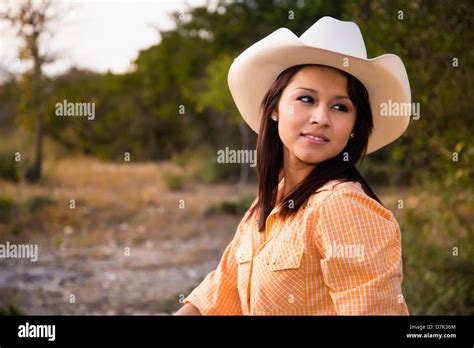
<point x="294" y="171"/>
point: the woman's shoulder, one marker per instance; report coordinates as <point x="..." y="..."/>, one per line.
<point x="347" y="195"/>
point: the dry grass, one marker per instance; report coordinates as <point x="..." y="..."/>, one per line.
<point x="115" y="203"/>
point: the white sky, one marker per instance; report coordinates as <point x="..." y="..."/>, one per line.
<point x="100" y="35"/>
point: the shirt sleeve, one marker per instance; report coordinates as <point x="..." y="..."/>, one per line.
<point x="360" y="246"/>
<point x="218" y="293"/>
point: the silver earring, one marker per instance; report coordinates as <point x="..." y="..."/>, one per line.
<point x="352" y="135"/>
<point x="274" y="117"/>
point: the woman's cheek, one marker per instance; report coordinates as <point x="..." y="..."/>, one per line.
<point x="297" y="110"/>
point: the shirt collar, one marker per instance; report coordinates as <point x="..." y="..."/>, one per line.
<point x="329" y="186"/>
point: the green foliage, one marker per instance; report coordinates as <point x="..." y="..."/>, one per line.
<point x="427" y="36"/>
<point x="38" y="202"/>
<point x="7" y="206"/>
<point x="173" y="181"/>
<point x="237" y="208"/>
<point x="438" y="244"/>
<point x="58" y="241"/>
<point x="177" y="95"/>
<point x="180" y="158"/>
<point x="10" y="309"/>
<point x="200" y="165"/>
<point x="8" y="169"/>
<point x="210" y="171"/>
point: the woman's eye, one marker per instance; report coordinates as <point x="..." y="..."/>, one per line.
<point x="341" y="107"/>
<point x="306" y="99"/>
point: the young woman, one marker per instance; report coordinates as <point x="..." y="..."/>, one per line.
<point x="316" y="240"/>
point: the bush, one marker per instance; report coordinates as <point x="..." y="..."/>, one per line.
<point x="8" y="168"/>
<point x="210" y="171"/>
<point x="7" y="206"/>
<point x="38" y="202"/>
<point x="202" y="166"/>
<point x="10" y="309"/>
<point x="173" y="181"/>
<point x="237" y="208"/>
<point x="437" y="252"/>
<point x="181" y="158"/>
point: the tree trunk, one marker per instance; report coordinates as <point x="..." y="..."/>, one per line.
<point x="34" y="173"/>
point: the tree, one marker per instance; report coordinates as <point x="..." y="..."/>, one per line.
<point x="214" y="96"/>
<point x="434" y="40"/>
<point x="31" y="21"/>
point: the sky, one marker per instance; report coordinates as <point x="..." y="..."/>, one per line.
<point x="99" y="35"/>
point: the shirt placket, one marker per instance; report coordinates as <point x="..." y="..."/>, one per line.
<point x="268" y="226"/>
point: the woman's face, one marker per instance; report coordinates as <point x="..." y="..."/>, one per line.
<point x="315" y="115"/>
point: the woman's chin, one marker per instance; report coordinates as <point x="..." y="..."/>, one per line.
<point x="311" y="159"/>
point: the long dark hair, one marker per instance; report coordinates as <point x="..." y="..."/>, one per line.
<point x="270" y="152"/>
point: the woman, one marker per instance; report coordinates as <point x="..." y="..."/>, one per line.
<point x="316" y="240"/>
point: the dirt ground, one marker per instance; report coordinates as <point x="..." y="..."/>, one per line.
<point x="112" y="239"/>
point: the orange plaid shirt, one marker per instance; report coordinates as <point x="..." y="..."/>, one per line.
<point x="340" y="254"/>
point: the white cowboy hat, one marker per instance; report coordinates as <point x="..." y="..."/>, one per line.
<point x="331" y="42"/>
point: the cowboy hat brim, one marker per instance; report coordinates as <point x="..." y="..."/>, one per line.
<point x="253" y="72"/>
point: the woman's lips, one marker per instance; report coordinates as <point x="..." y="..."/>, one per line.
<point x="314" y="139"/>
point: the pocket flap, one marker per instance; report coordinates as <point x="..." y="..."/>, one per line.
<point x="244" y="253"/>
<point x="285" y="256"/>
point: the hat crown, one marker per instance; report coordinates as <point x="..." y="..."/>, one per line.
<point x="338" y="36"/>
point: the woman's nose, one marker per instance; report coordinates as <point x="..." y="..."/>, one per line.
<point x="320" y="115"/>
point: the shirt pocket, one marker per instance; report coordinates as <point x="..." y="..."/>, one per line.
<point x="282" y="287"/>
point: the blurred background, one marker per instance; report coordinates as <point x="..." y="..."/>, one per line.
<point x="130" y="208"/>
